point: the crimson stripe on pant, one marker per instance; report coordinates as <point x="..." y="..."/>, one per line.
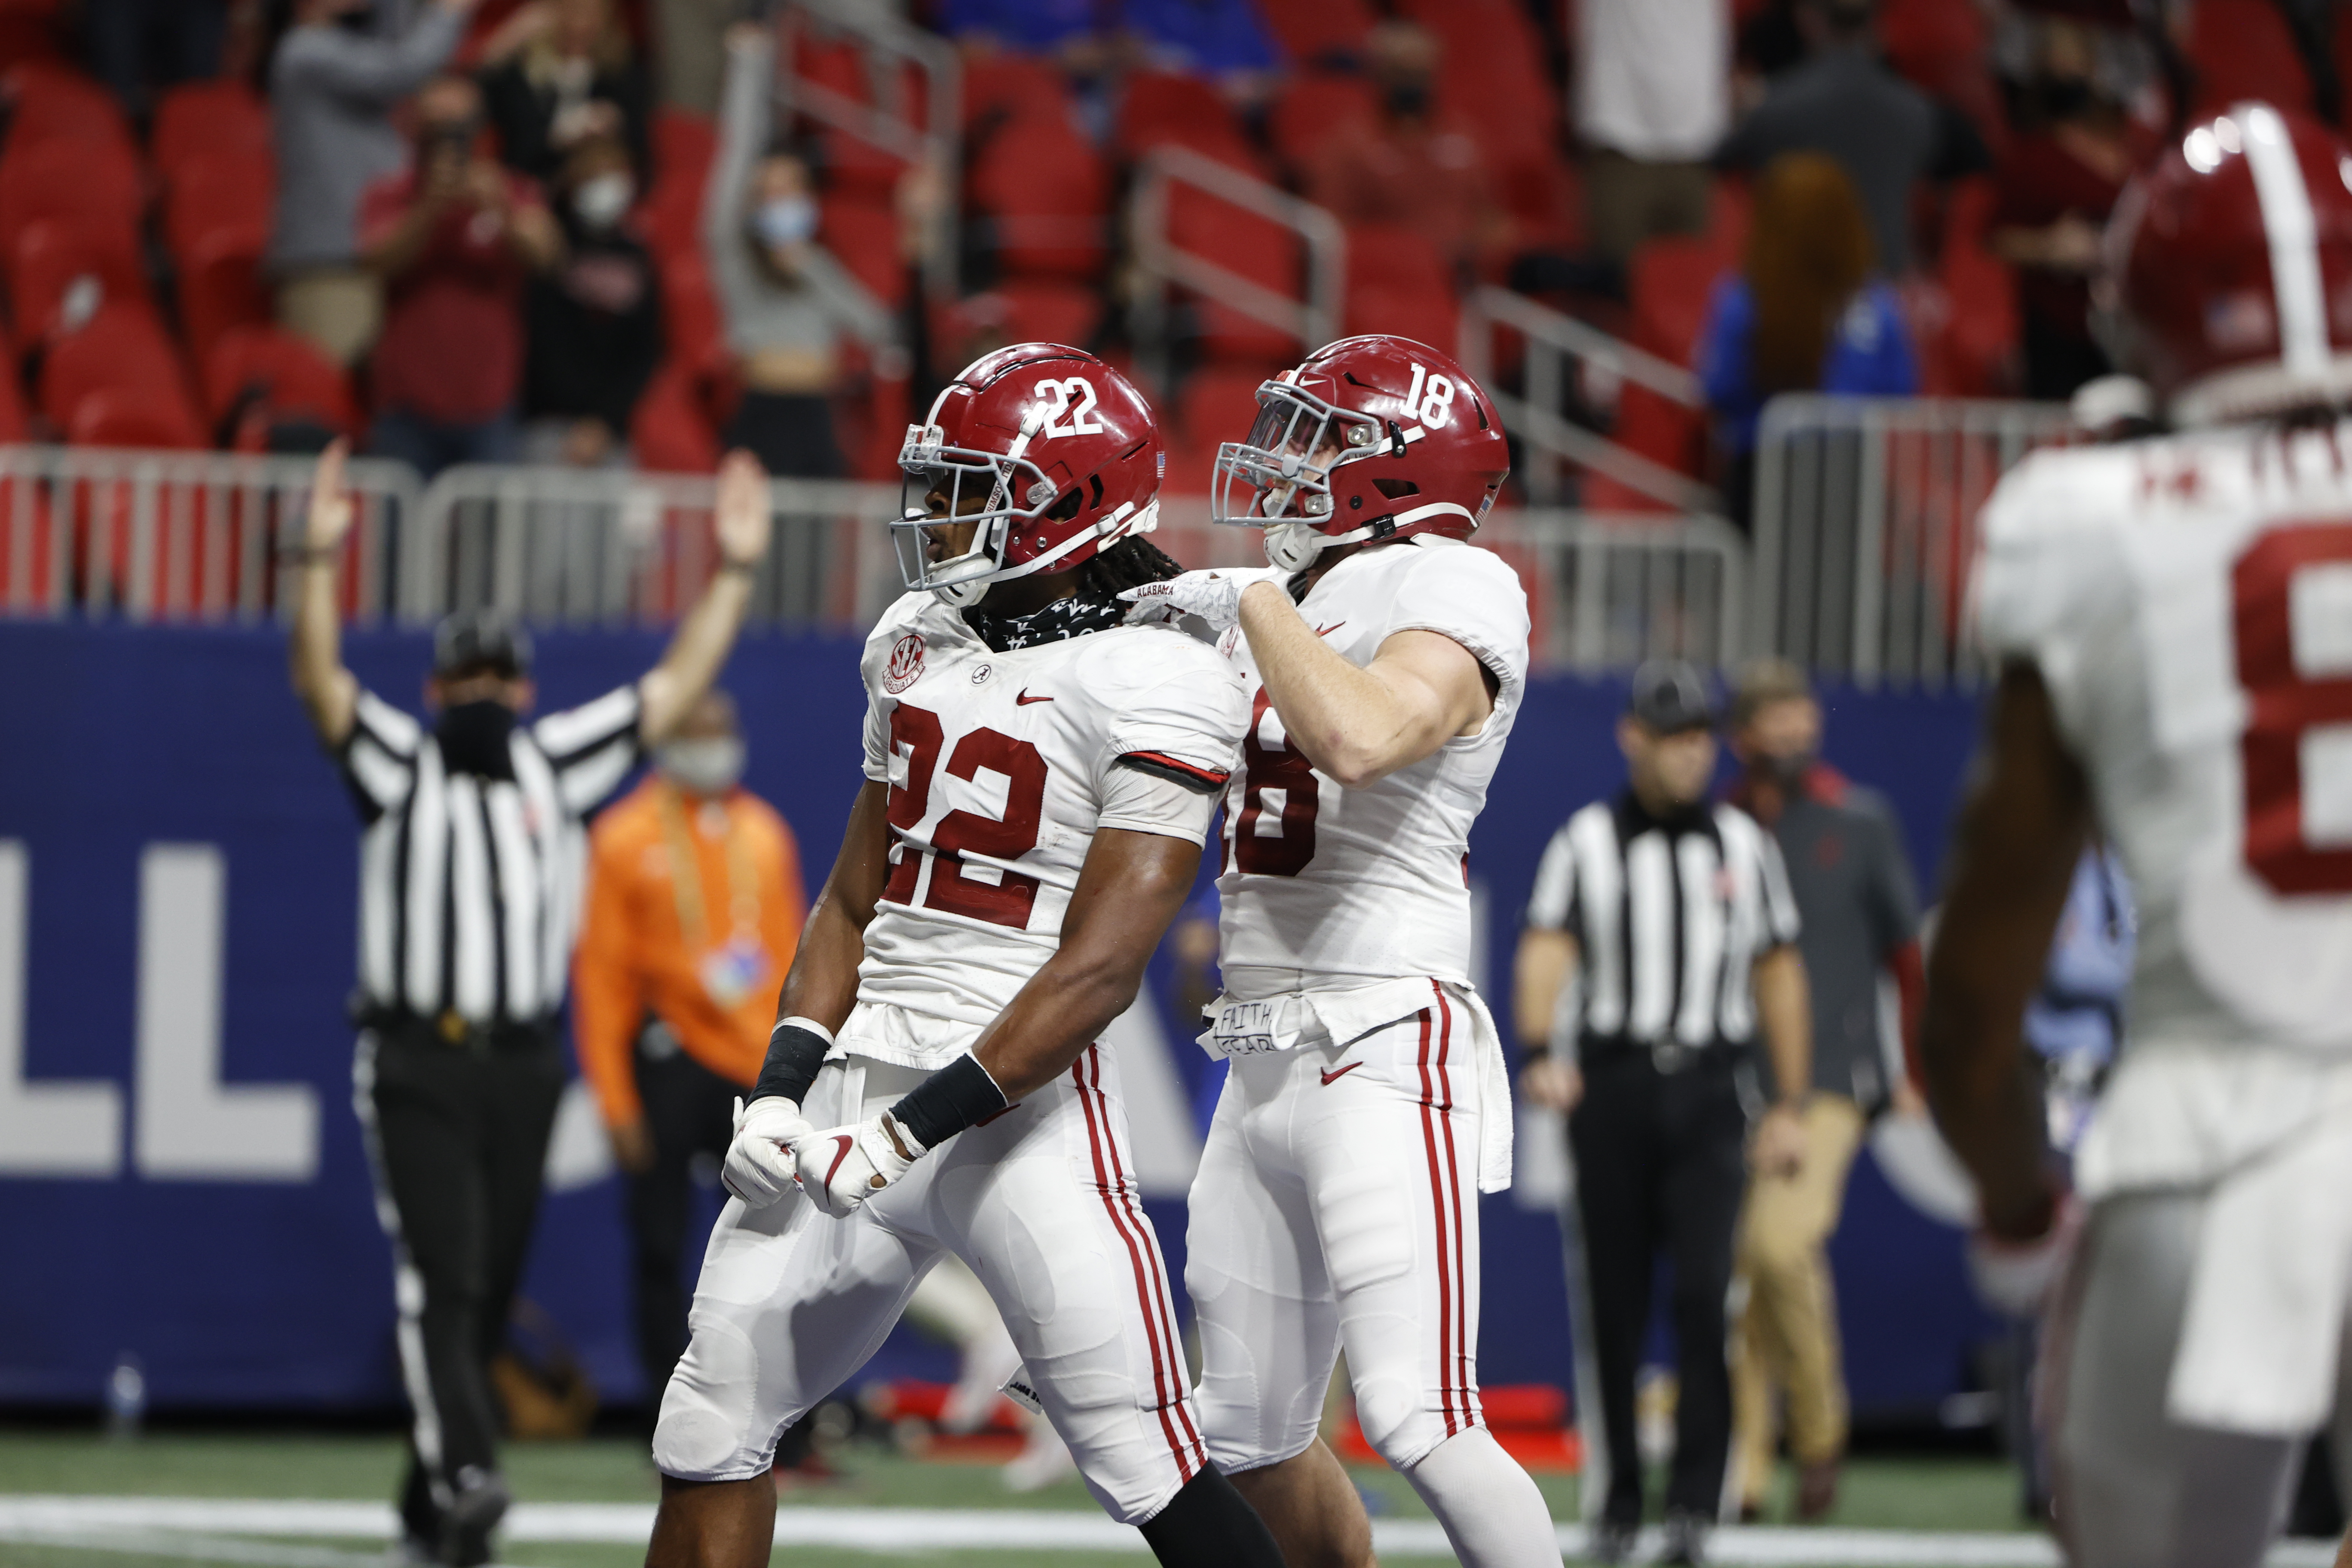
<point x="1167" y="1301"/>
<point x="1463" y="1394"/>
<point x="1098" y="1134"/>
<point x="1444" y="1263"/>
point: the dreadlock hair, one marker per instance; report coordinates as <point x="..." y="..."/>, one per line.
<point x="1130" y="563"/>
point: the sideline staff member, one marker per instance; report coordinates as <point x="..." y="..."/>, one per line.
<point x="467" y="894"/>
<point x="1680" y="918"/>
<point x="695" y="905"/>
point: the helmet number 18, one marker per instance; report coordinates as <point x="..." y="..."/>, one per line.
<point x="1432" y="406"/>
<point x="1083" y="421"/>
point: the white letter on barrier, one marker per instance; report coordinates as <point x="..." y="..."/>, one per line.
<point x="191" y="1125"/>
<point x="45" y="1129"/>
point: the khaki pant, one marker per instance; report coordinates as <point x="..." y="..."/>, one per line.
<point x="339" y="309"/>
<point x="1786" y="1338"/>
<point x="1627" y="201"/>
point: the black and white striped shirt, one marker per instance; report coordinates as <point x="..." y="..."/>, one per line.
<point x="470" y="886"/>
<point x="1669" y="918"/>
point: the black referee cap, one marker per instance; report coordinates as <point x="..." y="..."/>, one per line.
<point x="1672" y="695"/>
<point x="480" y="642"/>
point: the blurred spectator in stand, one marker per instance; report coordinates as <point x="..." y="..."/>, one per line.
<point x="333" y="84"/>
<point x="694" y="906"/>
<point x="453" y="238"/>
<point x="594" y="322"/>
<point x="138" y="45"/>
<point x="1406" y="168"/>
<point x="2058" y="182"/>
<point x="1221" y="41"/>
<point x="1653" y="100"/>
<point x="1805" y="313"/>
<point x="1844" y="102"/>
<point x="785" y="299"/>
<point x="688" y="52"/>
<point x="1847" y="868"/>
<point x="558" y="74"/>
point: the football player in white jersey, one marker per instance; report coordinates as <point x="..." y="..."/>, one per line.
<point x="2174" y="622"/>
<point x="1040" y="781"/>
<point x="1366" y="1108"/>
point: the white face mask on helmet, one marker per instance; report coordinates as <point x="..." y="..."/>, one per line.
<point x="707" y="766"/>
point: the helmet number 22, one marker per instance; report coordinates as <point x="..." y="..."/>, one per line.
<point x="1075" y="397"/>
<point x="1429" y="398"/>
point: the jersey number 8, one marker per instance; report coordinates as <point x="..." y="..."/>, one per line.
<point x="1281" y="780"/>
<point x="1007" y="902"/>
<point x="2282" y="705"/>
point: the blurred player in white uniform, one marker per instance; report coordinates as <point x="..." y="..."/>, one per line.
<point x="1367" y="1108"/>
<point x="2174" y="622"/>
<point x="1040" y="781"/>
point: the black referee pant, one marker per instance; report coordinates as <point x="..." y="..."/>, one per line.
<point x="689" y="1111"/>
<point x="1661" y="1165"/>
<point x="457" y="1136"/>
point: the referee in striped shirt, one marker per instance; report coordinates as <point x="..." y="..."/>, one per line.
<point x="470" y="865"/>
<point x="1659" y="943"/>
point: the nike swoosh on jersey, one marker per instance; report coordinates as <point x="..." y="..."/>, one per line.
<point x="1024" y="699"/>
<point x="1337" y="1073"/>
<point x="847" y="1142"/>
<point x="1326" y="631"/>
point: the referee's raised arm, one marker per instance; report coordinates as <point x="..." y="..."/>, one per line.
<point x="706" y="635"/>
<point x="330" y="693"/>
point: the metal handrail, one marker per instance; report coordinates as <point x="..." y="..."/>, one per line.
<point x="1314" y="321"/>
<point x="1553" y="339"/>
<point x="938" y="143"/>
<point x="1595" y="621"/>
<point x="1865" y="518"/>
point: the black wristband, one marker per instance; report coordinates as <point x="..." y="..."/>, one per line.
<point x="952" y="1098"/>
<point x="793" y="1056"/>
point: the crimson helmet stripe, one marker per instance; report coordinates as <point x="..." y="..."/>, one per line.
<point x="2294" y="234"/>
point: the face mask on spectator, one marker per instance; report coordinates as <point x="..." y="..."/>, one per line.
<point x="709" y="765"/>
<point x="787" y="220"/>
<point x="602" y="199"/>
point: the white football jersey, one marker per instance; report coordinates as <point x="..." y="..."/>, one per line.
<point x="2188" y="604"/>
<point x="999" y="766"/>
<point x="1372" y="883"/>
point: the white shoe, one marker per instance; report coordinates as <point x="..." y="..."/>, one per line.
<point x="1044" y="1460"/>
<point x="988" y="1363"/>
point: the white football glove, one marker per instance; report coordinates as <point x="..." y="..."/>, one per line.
<point x="1213" y="597"/>
<point x="2016" y="1278"/>
<point x="841" y="1167"/>
<point x="759" y="1167"/>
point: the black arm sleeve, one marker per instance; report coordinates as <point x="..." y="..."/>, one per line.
<point x="793" y="1056"/>
<point x="958" y="1095"/>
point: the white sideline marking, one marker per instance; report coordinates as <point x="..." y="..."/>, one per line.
<point x="117" y="1522"/>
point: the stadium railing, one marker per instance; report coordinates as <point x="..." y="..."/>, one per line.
<point x="1553" y="343"/>
<point x="1161" y="263"/>
<point x="162" y="536"/>
<point x="1865" y="517"/>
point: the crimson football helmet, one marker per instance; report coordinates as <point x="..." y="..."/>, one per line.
<point x="2229" y="268"/>
<point x="1049" y="450"/>
<point x="1372" y="437"/>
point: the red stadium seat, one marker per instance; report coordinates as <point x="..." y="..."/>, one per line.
<point x="221" y="286"/>
<point x="55" y="269"/>
<point x="1164" y="106"/>
<point x="863" y="236"/>
<point x="1427" y="316"/>
<point x="1010" y="86"/>
<point x="1313" y="109"/>
<point x="2244" y="49"/>
<point x="210" y="192"/>
<point x="50" y="102"/>
<point x="669" y="431"/>
<point x="1049" y="193"/>
<point x="271" y="371"/>
<point x="209" y="119"/>
<point x="691" y="319"/>
<point x="134" y="416"/>
<point x="1390" y="256"/>
<point x="1045" y="312"/>
<point x="683" y="145"/>
<point x="78" y="182"/>
<point x="30" y="32"/>
<point x="1308" y="30"/>
<point x="122" y="346"/>
<point x="1259" y="250"/>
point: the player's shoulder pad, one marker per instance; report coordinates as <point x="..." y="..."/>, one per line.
<point x="1160" y="671"/>
<point x="2067" y="491"/>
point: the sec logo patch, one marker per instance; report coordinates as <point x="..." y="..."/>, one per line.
<point x="905" y="664"/>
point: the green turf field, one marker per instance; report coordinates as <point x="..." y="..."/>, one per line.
<point x="1939" y="1494"/>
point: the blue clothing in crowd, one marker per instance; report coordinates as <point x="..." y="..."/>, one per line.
<point x="1868" y="356"/>
<point x="1208" y="38"/>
